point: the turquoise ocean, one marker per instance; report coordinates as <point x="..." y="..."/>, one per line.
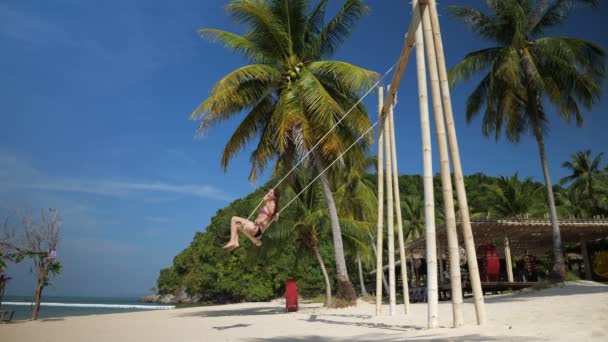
<point x="46" y="312"/>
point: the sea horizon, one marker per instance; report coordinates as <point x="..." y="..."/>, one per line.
<point x="123" y="304"/>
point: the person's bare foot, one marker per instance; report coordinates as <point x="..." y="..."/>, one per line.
<point x="230" y="246"/>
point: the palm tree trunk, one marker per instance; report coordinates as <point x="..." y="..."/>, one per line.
<point x="427" y="157"/>
<point x="469" y="242"/>
<point x="559" y="267"/>
<point x="444" y="163"/>
<point x="345" y="290"/>
<point x="315" y="250"/>
<point x="380" y="224"/>
<point x="361" y="282"/>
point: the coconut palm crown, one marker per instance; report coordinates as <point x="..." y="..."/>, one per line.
<point x="291" y="94"/>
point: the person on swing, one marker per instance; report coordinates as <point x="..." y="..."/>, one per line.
<point x="268" y="214"/>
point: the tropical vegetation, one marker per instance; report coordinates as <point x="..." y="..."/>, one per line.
<point x="300" y="248"/>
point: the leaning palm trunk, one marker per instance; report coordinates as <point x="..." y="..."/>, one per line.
<point x="361" y="282"/>
<point x="429" y="207"/>
<point x="469" y="242"/>
<point x="374" y="248"/>
<point x="444" y="163"/>
<point x="315" y="250"/>
<point x="559" y="266"/>
<point x="345" y="290"/>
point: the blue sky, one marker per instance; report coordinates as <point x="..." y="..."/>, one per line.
<point x="95" y="103"/>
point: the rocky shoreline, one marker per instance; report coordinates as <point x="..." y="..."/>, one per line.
<point x="179" y="297"/>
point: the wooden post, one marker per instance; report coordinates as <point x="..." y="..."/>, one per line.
<point x="427" y="158"/>
<point x="440" y="262"/>
<point x="390" y="218"/>
<point x="404" y="285"/>
<point x="508" y="261"/>
<point x="444" y="162"/>
<point x="458" y="177"/>
<point x="586" y="262"/>
<point x="379" y="271"/>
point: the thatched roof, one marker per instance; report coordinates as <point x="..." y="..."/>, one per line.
<point x="532" y="235"/>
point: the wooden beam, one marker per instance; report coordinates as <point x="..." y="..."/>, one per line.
<point x="408" y="45"/>
<point x="586" y="262"/>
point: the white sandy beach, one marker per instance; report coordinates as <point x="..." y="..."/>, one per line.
<point x="576" y="311"/>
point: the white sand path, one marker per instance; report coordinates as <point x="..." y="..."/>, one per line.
<point x="571" y="312"/>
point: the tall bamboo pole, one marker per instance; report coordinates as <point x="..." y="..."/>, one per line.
<point x="427" y="161"/>
<point x="444" y="163"/>
<point x="379" y="271"/>
<point x="404" y="285"/>
<point x="467" y="232"/>
<point x="390" y="217"/>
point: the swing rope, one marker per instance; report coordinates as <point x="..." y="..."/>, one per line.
<point x="323" y="138"/>
<point x="327" y="168"/>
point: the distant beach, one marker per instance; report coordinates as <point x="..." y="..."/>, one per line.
<point x="574" y="311"/>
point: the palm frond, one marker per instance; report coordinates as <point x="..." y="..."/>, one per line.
<point x="315" y="21"/>
<point x="242" y="88"/>
<point x="473" y="63"/>
<point x="238" y="44"/>
<point x="248" y="129"/>
<point x="351" y="77"/>
<point x="337" y="30"/>
<point x="264" y="25"/>
<point x="475" y="20"/>
<point x="554" y="15"/>
<point x="292" y="15"/>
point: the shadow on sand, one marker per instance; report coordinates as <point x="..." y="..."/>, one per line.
<point x="232" y="326"/>
<point x="269" y="310"/>
<point x="382" y="326"/>
<point x="554" y="291"/>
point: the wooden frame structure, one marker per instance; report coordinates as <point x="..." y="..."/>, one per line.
<point x="524" y="236"/>
<point x="425" y="35"/>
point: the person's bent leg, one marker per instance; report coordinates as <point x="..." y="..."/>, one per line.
<point x="234" y="233"/>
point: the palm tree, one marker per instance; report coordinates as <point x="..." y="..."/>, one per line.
<point x="570" y="203"/>
<point x="413" y="217"/>
<point x="291" y="95"/>
<point x="513" y="198"/>
<point x="357" y="201"/>
<point x="524" y="71"/>
<point x="584" y="176"/>
<point x="308" y="229"/>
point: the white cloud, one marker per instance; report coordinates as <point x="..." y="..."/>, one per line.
<point x="18" y="173"/>
<point x="29" y="28"/>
